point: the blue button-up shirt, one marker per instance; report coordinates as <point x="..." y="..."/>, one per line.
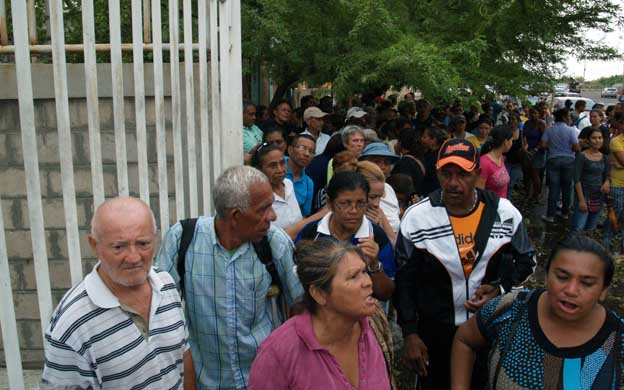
<point x="304" y="190"/>
<point x="227" y="310"/>
<point x="560" y="138"/>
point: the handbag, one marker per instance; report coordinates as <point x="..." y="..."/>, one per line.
<point x="594" y="203"/>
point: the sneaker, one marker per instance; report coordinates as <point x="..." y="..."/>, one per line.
<point x="548" y="219"/>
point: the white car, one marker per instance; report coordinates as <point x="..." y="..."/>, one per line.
<point x="609" y="93"/>
<point x="559" y="102"/>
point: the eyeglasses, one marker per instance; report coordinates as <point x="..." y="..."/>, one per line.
<point x="302" y="148"/>
<point x="343" y="205"/>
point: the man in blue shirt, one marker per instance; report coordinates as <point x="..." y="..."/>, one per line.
<point x="226" y="283"/>
<point x="561" y="140"/>
<point x="301" y="151"/>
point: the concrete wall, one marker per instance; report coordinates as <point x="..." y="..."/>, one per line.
<point x="13" y="187"/>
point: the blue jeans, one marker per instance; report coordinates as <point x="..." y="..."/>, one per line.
<point x="584" y="221"/>
<point x="617" y="199"/>
<point x="515" y="175"/>
<point x="560" y="175"/>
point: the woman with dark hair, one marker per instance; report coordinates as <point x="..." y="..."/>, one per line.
<point x="516" y="155"/>
<point x="533" y="129"/>
<point x="332" y="344"/>
<point x="411" y="162"/>
<point x="347" y="200"/>
<point x="269" y="159"/>
<point x="280" y="118"/>
<point x="275" y="136"/>
<point x="558" y="338"/>
<point x="483" y="131"/>
<point x="494" y="176"/>
<point x="591" y="182"/>
<point x="432" y="138"/>
<point x="318" y="168"/>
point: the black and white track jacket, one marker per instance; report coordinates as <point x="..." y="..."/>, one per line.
<point x="430" y="283"/>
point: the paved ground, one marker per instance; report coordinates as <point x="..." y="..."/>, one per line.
<point x="31" y="379"/>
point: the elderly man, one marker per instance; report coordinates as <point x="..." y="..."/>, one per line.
<point x="122" y="327"/>
<point x="313" y="118"/>
<point x="225" y="281"/>
<point x="455" y="250"/>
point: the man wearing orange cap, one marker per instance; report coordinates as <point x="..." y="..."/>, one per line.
<point x="456" y="249"/>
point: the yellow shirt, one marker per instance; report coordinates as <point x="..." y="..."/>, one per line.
<point x="617" y="174"/>
<point x="465" y="230"/>
<point x="475" y="141"/>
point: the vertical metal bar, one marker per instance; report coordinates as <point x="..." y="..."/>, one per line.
<point x="61" y="97"/>
<point x="161" y="139"/>
<point x="31" y="160"/>
<point x="32" y="22"/>
<point x="119" y="114"/>
<point x="176" y="115"/>
<point x="8" y="325"/>
<point x="147" y="22"/>
<point x="190" y="106"/>
<point x="93" y="111"/>
<point x="215" y="104"/>
<point x="4" y="37"/>
<point x="202" y="19"/>
<point x="231" y="82"/>
<point x="139" y="100"/>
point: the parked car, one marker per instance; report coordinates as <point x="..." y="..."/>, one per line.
<point x="609" y="93"/>
<point x="559" y="102"/>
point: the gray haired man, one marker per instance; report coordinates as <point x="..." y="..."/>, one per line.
<point x="226" y="283"/>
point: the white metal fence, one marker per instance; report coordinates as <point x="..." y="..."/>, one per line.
<point x="220" y="122"/>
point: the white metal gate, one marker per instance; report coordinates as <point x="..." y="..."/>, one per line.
<point x="220" y="95"/>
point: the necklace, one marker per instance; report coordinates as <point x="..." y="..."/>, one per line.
<point x="474" y="203"/>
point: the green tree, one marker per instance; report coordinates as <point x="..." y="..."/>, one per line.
<point x="440" y="47"/>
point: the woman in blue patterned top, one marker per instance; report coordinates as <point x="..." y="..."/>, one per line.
<point x="560" y="338"/>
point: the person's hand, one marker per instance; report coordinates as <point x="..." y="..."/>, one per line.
<point x="416" y="354"/>
<point x="415" y="198"/>
<point x="606" y="187"/>
<point x="483" y="294"/>
<point x="374" y="215"/>
<point x="370" y="249"/>
<point x="582" y="207"/>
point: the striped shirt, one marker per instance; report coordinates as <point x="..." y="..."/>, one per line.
<point x="92" y="343"/>
<point x="226" y="305"/>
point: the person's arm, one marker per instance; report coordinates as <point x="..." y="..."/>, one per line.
<point x="485" y="172"/>
<point x="189" y="371"/>
<point x="167" y="258"/>
<point x="578" y="186"/>
<point x="468" y="339"/>
<point x="606" y="185"/>
<point x="406" y="303"/>
<point x="282" y="249"/>
<point x="383" y="286"/>
<point x="65" y="368"/>
<point x="294" y="229"/>
<point x="544" y="140"/>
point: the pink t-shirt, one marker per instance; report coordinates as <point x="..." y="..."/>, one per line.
<point x="292" y="358"/>
<point x="496" y="178"/>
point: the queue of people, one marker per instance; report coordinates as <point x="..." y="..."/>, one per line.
<point x="331" y="233"/>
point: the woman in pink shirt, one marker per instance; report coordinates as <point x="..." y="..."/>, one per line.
<point x="494" y="176"/>
<point x="331" y="345"/>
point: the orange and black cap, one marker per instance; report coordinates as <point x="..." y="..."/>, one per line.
<point x="458" y="151"/>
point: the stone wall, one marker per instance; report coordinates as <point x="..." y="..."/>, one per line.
<point x="13" y="188"/>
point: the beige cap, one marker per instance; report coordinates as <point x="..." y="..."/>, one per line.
<point x="313" y="112"/>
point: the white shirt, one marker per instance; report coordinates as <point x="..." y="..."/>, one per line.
<point x="321" y="141"/>
<point x="287" y="208"/>
<point x="390" y="206"/>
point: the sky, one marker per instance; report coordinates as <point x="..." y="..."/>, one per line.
<point x="592" y="70"/>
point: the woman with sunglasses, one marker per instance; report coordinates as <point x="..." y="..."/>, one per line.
<point x="347" y="200"/>
<point x="269" y="159"/>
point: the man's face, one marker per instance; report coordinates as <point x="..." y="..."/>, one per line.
<point x="302" y="152"/>
<point x="315" y="125"/>
<point x="252" y="224"/>
<point x="249" y="116"/>
<point x="457" y="184"/>
<point x="124" y="244"/>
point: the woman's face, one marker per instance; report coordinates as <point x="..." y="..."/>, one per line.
<point x="483" y="130"/>
<point x="595" y="139"/>
<point x="513" y="122"/>
<point x="276" y="137"/>
<point x="351" y="289"/>
<point x="274" y="167"/>
<point x="428" y="141"/>
<point x="281" y="113"/>
<point x="375" y="194"/>
<point x="355" y="144"/>
<point x="595" y="119"/>
<point x="348" y="209"/>
<point x="575" y="284"/>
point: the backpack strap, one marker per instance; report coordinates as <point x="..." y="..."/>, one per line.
<point x="188" y="231"/>
<point x="263" y="250"/>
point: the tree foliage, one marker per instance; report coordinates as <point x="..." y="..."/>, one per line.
<point x="441" y="47"/>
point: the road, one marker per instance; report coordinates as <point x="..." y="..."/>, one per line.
<point x="595" y="96"/>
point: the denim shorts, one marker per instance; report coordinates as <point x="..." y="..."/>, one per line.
<point x="539" y="159"/>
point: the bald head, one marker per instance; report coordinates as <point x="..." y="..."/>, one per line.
<point x="121" y="209"/>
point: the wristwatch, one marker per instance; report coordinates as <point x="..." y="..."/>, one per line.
<point x="374" y="271"/>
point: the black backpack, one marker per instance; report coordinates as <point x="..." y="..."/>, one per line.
<point x="262" y="248"/>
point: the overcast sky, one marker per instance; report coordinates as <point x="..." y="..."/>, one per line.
<point x="596" y="69"/>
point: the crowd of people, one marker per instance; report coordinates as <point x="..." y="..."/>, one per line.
<point x="342" y="223"/>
